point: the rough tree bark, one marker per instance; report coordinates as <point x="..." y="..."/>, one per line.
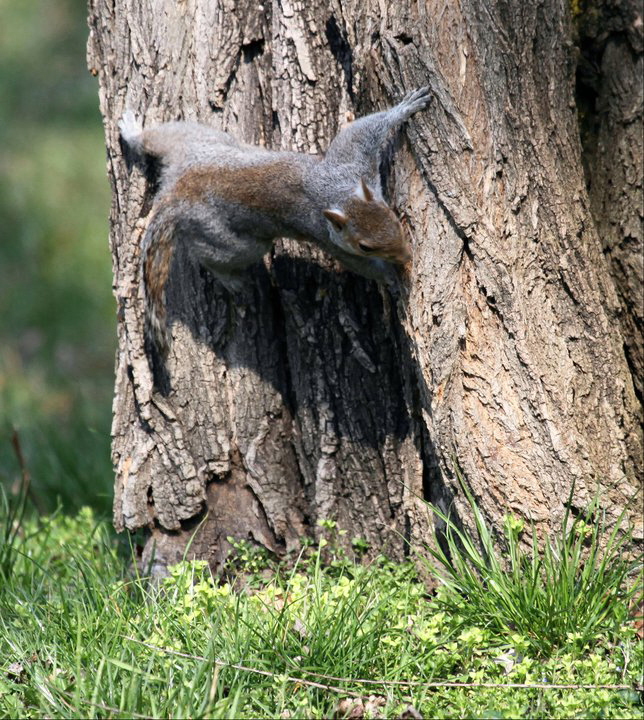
<point x="611" y="38"/>
<point x="327" y="397"/>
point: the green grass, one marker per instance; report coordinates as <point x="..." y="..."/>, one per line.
<point x="80" y="636"/>
<point x="579" y="582"/>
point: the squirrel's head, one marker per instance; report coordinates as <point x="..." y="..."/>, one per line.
<point x="367" y="227"/>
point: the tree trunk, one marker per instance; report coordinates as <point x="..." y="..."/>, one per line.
<point x="326" y="396"/>
<point x="611" y="95"/>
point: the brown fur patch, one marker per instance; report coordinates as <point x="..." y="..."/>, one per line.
<point x="268" y="187"/>
<point x="156" y="267"/>
<point x="157" y="264"/>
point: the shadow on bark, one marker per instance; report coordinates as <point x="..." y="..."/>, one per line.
<point x="302" y="324"/>
<point x="317" y="337"/>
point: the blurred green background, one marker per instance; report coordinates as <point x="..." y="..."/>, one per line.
<point x="57" y="324"/>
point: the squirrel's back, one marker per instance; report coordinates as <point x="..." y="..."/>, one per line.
<point x="173" y="142"/>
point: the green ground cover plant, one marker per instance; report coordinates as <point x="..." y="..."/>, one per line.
<point x="80" y="635"/>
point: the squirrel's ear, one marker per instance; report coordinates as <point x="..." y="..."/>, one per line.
<point x="336" y="217"/>
<point x="363" y="191"/>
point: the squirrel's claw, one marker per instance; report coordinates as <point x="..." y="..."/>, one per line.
<point x="417" y="100"/>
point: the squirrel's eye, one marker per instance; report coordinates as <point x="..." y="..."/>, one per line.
<point x="366" y="248"/>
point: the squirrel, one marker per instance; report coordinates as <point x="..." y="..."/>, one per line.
<point x="229" y="201"/>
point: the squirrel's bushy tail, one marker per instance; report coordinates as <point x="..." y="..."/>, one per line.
<point x="158" y="246"/>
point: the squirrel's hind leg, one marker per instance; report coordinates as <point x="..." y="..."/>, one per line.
<point x="225" y="253"/>
<point x="130" y="129"/>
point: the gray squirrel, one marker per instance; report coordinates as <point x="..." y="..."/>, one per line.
<point x="229" y="201"/>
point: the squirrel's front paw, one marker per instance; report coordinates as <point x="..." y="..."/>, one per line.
<point x="416" y="100"/>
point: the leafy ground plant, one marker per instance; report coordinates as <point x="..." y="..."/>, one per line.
<point x="81" y="637"/>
